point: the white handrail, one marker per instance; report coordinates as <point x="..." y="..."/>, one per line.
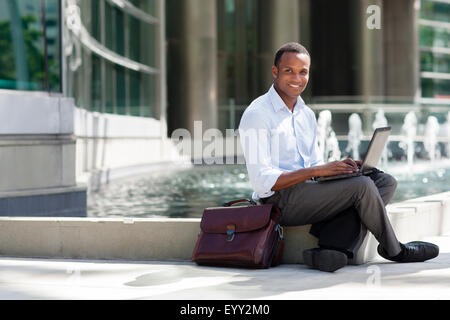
<point x="129" y="8"/>
<point x="79" y="31"/>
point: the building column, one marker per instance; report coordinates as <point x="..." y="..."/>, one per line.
<point x="240" y="54"/>
<point x="369" y="47"/>
<point x="192" y="64"/>
<point x="370" y="57"/>
<point x="279" y="23"/>
<point x="402" y="70"/>
<point x="304" y="17"/>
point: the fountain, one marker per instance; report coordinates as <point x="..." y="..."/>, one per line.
<point x="409" y="131"/>
<point x="323" y="122"/>
<point x="186" y="192"/>
<point x="326" y="137"/>
<point x="447" y="133"/>
<point x="430" y="141"/>
<point x="354" y="135"/>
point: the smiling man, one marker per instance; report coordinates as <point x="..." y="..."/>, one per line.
<point x="278" y="134"/>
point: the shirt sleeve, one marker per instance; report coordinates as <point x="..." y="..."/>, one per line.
<point x="316" y="154"/>
<point x="255" y="140"/>
<point x="316" y="159"/>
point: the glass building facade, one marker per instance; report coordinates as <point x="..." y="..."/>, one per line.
<point x="110" y="63"/>
<point x="113" y="66"/>
<point x="434" y="30"/>
<point x="30" y="45"/>
<point x="112" y="52"/>
<point x="403" y="64"/>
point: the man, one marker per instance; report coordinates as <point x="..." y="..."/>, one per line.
<point x="278" y="134"/>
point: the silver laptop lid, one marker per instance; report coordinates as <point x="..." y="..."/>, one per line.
<point x="376" y="146"/>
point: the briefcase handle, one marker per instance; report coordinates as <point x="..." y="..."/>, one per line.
<point x="229" y="204"/>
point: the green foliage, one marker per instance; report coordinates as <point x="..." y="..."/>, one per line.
<point x="34" y="47"/>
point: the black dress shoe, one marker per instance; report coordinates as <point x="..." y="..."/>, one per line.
<point x="324" y="259"/>
<point x="415" y="251"/>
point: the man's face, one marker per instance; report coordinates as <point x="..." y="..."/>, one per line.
<point x="292" y="74"/>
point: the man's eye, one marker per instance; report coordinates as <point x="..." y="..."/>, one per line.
<point x="287" y="70"/>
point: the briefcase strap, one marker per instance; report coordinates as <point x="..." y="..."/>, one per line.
<point x="229" y="204"/>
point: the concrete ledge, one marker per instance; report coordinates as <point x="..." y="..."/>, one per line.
<point x="131" y="239"/>
<point x="174" y="239"/>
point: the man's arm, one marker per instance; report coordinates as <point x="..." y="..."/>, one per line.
<point x="288" y="179"/>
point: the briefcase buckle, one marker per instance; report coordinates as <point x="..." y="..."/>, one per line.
<point x="230" y="232"/>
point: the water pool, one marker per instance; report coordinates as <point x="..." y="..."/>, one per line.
<point x="185" y="192"/>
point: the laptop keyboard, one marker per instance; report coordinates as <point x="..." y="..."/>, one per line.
<point x="339" y="176"/>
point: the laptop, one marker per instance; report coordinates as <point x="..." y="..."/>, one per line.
<point x="373" y="155"/>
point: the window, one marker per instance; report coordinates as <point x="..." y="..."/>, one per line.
<point x="434" y="40"/>
<point x="135" y="93"/>
<point x="25" y="37"/>
<point x="122" y="37"/>
<point x="435" y="10"/>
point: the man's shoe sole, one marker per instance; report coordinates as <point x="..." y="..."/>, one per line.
<point x="324" y="259"/>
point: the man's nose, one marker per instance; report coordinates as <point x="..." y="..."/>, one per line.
<point x="298" y="77"/>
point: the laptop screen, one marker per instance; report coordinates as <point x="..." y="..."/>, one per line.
<point x="376" y="146"/>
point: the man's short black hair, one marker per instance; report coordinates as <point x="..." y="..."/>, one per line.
<point x="289" y="47"/>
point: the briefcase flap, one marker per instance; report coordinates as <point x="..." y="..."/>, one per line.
<point x="241" y="219"/>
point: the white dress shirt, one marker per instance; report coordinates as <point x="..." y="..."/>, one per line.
<point x="275" y="140"/>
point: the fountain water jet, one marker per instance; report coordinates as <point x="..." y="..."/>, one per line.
<point x="354" y="135"/>
<point x="447" y="127"/>
<point x="430" y="142"/>
<point x="409" y="131"/>
<point x="326" y="137"/>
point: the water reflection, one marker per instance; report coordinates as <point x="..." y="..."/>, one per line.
<point x="422" y="184"/>
<point x="180" y="193"/>
<point x="186" y="192"/>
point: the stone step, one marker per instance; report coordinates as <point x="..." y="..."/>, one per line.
<point x="174" y="239"/>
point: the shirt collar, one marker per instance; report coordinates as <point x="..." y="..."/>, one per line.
<point x="278" y="103"/>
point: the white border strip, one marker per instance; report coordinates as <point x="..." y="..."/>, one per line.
<point x="435" y="75"/>
<point x="435" y="50"/>
<point x="443" y="1"/>
<point x="434" y="24"/>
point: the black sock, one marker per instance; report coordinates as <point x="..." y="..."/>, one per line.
<point x="400" y="255"/>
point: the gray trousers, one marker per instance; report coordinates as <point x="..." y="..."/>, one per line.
<point x="313" y="202"/>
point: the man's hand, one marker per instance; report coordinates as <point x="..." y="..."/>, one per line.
<point x="290" y="178"/>
<point x="354" y="163"/>
<point x="337" y="167"/>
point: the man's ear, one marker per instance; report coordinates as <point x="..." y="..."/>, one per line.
<point x="274" y="72"/>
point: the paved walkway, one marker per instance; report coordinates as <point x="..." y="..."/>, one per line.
<point x="88" y="279"/>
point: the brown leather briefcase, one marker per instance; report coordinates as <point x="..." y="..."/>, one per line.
<point x="240" y="236"/>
